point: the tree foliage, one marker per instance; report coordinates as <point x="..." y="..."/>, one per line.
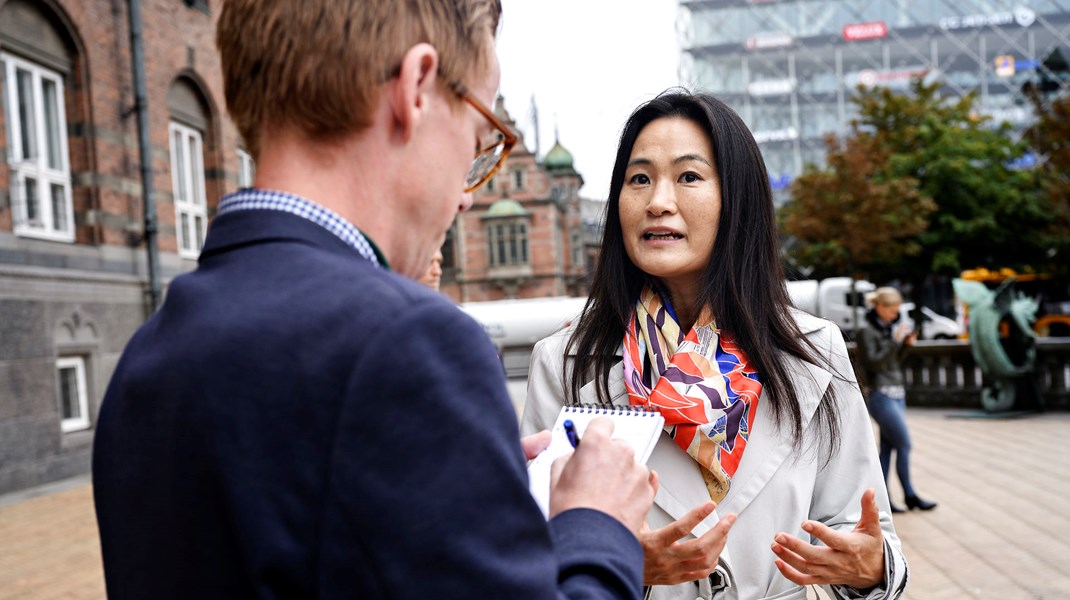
<point x="849" y="215"/>
<point x="986" y="210"/>
<point x="1050" y="138"/>
<point x="947" y="166"/>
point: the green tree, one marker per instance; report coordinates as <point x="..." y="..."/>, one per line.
<point x="850" y="216"/>
<point x="987" y="212"/>
<point x="984" y="212"/>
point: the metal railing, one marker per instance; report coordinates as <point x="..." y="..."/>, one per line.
<point x="944" y="374"/>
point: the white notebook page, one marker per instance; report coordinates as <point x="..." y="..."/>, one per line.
<point x="640" y="428"/>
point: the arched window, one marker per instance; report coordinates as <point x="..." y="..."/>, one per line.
<point x="35" y="60"/>
<point x="190" y="122"/>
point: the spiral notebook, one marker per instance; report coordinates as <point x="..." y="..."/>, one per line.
<point x="639" y="426"/>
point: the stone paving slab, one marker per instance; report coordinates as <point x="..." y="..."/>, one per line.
<point x="1002" y="529"/>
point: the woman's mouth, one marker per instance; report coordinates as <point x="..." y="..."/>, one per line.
<point x="662" y="235"/>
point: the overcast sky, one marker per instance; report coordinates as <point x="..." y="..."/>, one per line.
<point x="589" y="63"/>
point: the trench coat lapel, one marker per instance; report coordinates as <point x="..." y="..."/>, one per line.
<point x="617" y="392"/>
<point x="770" y="446"/>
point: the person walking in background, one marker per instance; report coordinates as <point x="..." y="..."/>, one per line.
<point x="882" y="342"/>
<point x="433" y="277"/>
<point x="297" y="421"/>
<point x="689" y="315"/>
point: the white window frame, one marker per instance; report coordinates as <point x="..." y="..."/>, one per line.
<point x="514" y="236"/>
<point x="518" y="179"/>
<point x="187" y="190"/>
<point x="46" y="225"/>
<point x="246" y="169"/>
<point x="81" y="421"/>
<point x="576" y="242"/>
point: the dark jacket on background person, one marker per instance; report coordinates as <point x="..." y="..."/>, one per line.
<point x="880" y="352"/>
<point x="297" y="423"/>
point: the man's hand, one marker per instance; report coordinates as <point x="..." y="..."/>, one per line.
<point x="854" y="558"/>
<point x="602" y="474"/>
<point x="535" y="443"/>
<point x="668" y="561"/>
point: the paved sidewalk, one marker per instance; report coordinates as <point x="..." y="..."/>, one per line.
<point x="1002" y="529"/>
<point x="48" y="544"/>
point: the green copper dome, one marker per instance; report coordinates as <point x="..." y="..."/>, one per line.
<point x="506" y="207"/>
<point x="558" y="158"/>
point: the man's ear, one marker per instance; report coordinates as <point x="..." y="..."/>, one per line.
<point x="410" y="92"/>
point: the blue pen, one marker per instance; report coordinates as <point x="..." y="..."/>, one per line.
<point x="570" y="431"/>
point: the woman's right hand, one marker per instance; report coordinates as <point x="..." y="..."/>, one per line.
<point x="902" y="332"/>
<point x="668" y="561"/>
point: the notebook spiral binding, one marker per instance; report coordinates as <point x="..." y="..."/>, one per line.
<point x="605" y="409"/>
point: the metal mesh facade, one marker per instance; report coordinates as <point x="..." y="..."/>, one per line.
<point x="790" y="67"/>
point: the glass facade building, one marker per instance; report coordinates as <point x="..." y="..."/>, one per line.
<point x="790" y="67"/>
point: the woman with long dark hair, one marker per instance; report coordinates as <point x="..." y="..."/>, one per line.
<point x="769" y="480"/>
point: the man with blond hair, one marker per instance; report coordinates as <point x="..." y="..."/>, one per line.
<point x="302" y="419"/>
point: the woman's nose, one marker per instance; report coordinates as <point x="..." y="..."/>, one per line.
<point x="662" y="199"/>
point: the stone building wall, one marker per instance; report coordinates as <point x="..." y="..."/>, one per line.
<point x="83" y="298"/>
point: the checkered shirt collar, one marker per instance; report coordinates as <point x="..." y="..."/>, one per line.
<point x="257" y="199"/>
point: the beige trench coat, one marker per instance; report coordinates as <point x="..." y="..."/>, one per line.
<point x="776" y="487"/>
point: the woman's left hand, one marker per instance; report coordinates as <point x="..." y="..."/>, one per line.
<point x="854" y="558"/>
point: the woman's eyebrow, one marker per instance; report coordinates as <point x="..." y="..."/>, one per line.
<point x="687" y="157"/>
<point x="676" y="161"/>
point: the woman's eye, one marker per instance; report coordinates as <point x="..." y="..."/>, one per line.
<point x="639" y="179"/>
<point x="689" y="177"/>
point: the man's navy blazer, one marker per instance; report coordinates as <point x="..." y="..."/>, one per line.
<point x="297" y="423"/>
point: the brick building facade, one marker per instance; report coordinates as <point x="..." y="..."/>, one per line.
<point x="73" y="276"/>
<point x="524" y="236"/>
<point x="74" y="283"/>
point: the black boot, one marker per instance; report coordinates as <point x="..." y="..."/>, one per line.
<point x="896" y="508"/>
<point x="916" y="502"/>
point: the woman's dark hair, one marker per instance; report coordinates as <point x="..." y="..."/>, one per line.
<point x="743" y="284"/>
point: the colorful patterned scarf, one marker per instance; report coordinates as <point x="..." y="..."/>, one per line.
<point x="702" y="384"/>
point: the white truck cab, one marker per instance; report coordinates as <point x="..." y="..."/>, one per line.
<point x="831" y="299"/>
